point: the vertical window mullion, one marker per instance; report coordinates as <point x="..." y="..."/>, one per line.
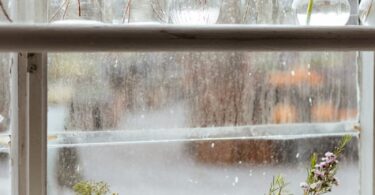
<point x="18" y="124"/>
<point x="367" y="124"/>
<point x="29" y="124"/>
<point x="29" y="117"/>
<point x="37" y="123"/>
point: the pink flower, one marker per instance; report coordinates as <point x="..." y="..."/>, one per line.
<point x="304" y="186"/>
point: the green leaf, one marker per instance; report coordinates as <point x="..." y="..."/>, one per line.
<point x="310" y="175"/>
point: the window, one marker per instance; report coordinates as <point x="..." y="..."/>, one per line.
<point x="177" y="121"/>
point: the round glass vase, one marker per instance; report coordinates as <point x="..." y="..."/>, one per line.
<point x="367" y="12"/>
<point x="106" y="11"/>
<point x="197" y="12"/>
<point x="87" y="11"/>
<point x="145" y="11"/>
<point x="322" y="12"/>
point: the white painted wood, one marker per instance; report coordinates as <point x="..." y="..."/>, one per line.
<point x="37" y="124"/>
<point x="367" y="124"/>
<point x="18" y="124"/>
<point x="97" y="37"/>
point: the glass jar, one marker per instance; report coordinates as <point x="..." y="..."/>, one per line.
<point x="193" y="11"/>
<point x="322" y="12"/>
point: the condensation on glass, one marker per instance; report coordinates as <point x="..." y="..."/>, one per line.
<point x="198" y="123"/>
<point x="195" y="122"/>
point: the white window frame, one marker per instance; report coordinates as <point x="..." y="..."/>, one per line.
<point x="31" y="42"/>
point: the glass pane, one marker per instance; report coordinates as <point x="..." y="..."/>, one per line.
<point x="4" y="124"/>
<point x="198" y="123"/>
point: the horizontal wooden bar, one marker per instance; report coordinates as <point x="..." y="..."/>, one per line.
<point x="101" y="37"/>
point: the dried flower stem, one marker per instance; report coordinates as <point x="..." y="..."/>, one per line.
<point x="66" y="9"/>
<point x="57" y="11"/>
<point x="127" y="11"/>
<point x="158" y="10"/>
<point x="79" y="8"/>
<point x="5" y="11"/>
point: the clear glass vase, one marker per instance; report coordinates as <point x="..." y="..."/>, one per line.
<point x="367" y="12"/>
<point x="194" y="11"/>
<point x="136" y="11"/>
<point x="76" y="10"/>
<point x="322" y="12"/>
<point x="107" y="11"/>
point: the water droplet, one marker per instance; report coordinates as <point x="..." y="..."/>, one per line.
<point x="212" y="145"/>
<point x="264" y="173"/>
<point x="239" y="162"/>
<point x="236" y="179"/>
<point x="293" y="73"/>
<point x="297" y="155"/>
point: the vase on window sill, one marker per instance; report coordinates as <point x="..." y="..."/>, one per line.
<point x="193" y="12"/>
<point x="107" y="11"/>
<point x="367" y="12"/>
<point x="75" y="11"/>
<point x="322" y="12"/>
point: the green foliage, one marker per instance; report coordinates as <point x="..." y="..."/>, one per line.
<point x="340" y="148"/>
<point x="321" y="174"/>
<point x="278" y="186"/>
<point x="92" y="188"/>
<point x="313" y="161"/>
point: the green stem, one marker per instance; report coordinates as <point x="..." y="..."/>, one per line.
<point x="309" y="11"/>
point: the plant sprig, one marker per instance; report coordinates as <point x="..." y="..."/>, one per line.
<point x="278" y="186"/>
<point x="321" y="175"/>
<point x="92" y="188"/>
<point x="310" y="6"/>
